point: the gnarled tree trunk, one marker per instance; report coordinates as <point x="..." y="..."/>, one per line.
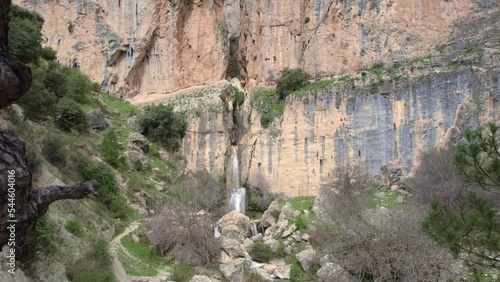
<point x="20" y="204"/>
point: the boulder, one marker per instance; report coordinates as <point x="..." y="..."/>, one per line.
<point x="248" y="243"/>
<point x="97" y="120"/>
<point x="289" y="231"/>
<point x="273" y="244"/>
<point x="278" y="262"/>
<point x="306" y="258"/>
<point x="264" y="275"/>
<point x="283" y="272"/>
<point x="200" y="278"/>
<point x="270" y="215"/>
<point x="233" y="248"/>
<point x="134" y="124"/>
<point x="400" y="200"/>
<point x="234" y="225"/>
<point x="134" y="156"/>
<point x="306" y="237"/>
<point x="138" y="142"/>
<point x="234" y="270"/>
<point x="332" y="272"/>
<point x="391" y="173"/>
<point x="269" y="268"/>
<point x="257" y="237"/>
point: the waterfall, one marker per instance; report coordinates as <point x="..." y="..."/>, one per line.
<point x="254" y="229"/>
<point x="238" y="195"/>
<point x="216" y="230"/>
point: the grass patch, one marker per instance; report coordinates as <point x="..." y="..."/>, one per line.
<point x="122" y="106"/>
<point x="269" y="105"/>
<point x="314" y="87"/>
<point x="136" y="268"/>
<point x="74" y="227"/>
<point x="388" y="202"/>
<point x="182" y="273"/>
<point x="300" y="203"/>
<point x="142" y="252"/>
<point x="263" y="253"/>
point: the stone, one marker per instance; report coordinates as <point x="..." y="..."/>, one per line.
<point x="135" y="156"/>
<point x="381" y="195"/>
<point x="135" y="238"/>
<point x="277" y="262"/>
<point x="234" y="225"/>
<point x="394" y="187"/>
<point x="234" y="269"/>
<point x="270" y="215"/>
<point x="332" y="272"/>
<point x="288" y="250"/>
<point x="134" y="124"/>
<point x="264" y="275"/>
<point x="248" y="243"/>
<point x="391" y="173"/>
<point x="283" y="272"/>
<point x="306" y="237"/>
<point x="269" y="268"/>
<point x="257" y="237"/>
<point x="97" y="120"/>
<point x="400" y="200"/>
<point x="138" y="142"/>
<point x="296" y="237"/>
<point x="289" y="231"/>
<point x="233" y="248"/>
<point x="273" y="244"/>
<point x="200" y="278"/>
<point x="306" y="258"/>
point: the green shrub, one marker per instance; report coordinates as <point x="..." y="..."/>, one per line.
<point x="42" y="239"/>
<point x="259" y="200"/>
<point x="110" y="149"/>
<point x="239" y="96"/>
<point x="291" y="80"/>
<point x="54" y="149"/>
<point x="79" y="85"/>
<point x="297" y="274"/>
<point x="270" y="106"/>
<point x="263" y="253"/>
<point x="96" y="265"/>
<point x="137" y="165"/>
<point x="108" y="190"/>
<point x="38" y="102"/>
<point x="163" y="125"/>
<point x="182" y="273"/>
<point x="74" y="227"/>
<point x="301" y="223"/>
<point x="71" y="116"/>
<point x="48" y="54"/>
<point x="25" y="36"/>
<point x="56" y="80"/>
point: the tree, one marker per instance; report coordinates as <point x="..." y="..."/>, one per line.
<point x="56" y="80"/>
<point x="163" y="125"/>
<point x="38" y="102"/>
<point x="71" y="116"/>
<point x="110" y="149"/>
<point x="471" y="227"/>
<point x="25" y="36"/>
<point x="291" y="80"/>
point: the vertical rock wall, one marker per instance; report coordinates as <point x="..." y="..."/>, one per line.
<point x="133" y="46"/>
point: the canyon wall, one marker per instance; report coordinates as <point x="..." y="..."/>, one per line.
<point x="136" y="46"/>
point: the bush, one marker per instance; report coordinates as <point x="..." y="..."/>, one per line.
<point x="239" y="96"/>
<point x="74" y="227"/>
<point x="163" y="125"/>
<point x="41" y="240"/>
<point x="258" y="199"/>
<point x="48" y="54"/>
<point x="263" y="253"/>
<point x="71" y="116"/>
<point x="79" y="85"/>
<point x="54" y="149"/>
<point x="56" y="80"/>
<point x="297" y="274"/>
<point x="96" y="265"/>
<point x="182" y="273"/>
<point x="38" y="102"/>
<point x="291" y="80"/>
<point x="25" y="36"/>
<point x="110" y="149"/>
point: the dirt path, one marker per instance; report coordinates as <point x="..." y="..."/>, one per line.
<point x="118" y="269"/>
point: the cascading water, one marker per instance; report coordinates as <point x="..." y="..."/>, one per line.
<point x="238" y="195"/>
<point x="254" y="229"/>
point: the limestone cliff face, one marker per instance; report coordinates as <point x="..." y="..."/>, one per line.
<point x="136" y="46"/>
<point x="330" y="37"/>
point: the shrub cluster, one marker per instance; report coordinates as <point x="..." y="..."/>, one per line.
<point x="263" y="253"/>
<point x="96" y="265"/>
<point x="161" y="124"/>
<point x="291" y="80"/>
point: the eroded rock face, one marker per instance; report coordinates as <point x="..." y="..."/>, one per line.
<point x="137" y="46"/>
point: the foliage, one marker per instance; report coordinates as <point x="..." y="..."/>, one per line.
<point x="54" y="149"/>
<point x="291" y="80"/>
<point x="48" y="54"/>
<point x="42" y="239"/>
<point x="79" y="85"/>
<point x="270" y="106"/>
<point x="470" y="225"/>
<point x="300" y="203"/>
<point x="110" y="149"/>
<point x="70" y="116"/>
<point x="163" y="125"/>
<point x="239" y="96"/>
<point x="25" y="36"/>
<point x="182" y="273"/>
<point x="297" y="274"/>
<point x="96" y="265"/>
<point x="478" y="157"/>
<point x="263" y="253"/>
<point x="108" y="190"/>
<point x="38" y="102"/>
<point x="56" y="80"/>
<point x="74" y="227"/>
<point x="259" y="199"/>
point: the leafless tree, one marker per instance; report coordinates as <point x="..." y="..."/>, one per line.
<point x="184" y="228"/>
<point x="380" y="244"/>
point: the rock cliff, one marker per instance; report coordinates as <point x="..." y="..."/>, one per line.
<point x="436" y="72"/>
